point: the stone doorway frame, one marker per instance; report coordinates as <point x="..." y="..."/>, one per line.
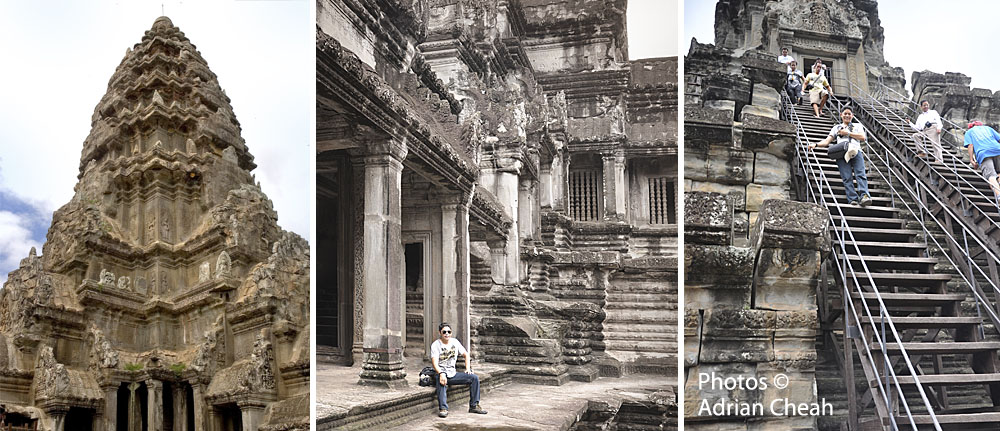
<point x="425" y="238"/>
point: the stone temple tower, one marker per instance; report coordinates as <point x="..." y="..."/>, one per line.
<point x="166" y="297"/>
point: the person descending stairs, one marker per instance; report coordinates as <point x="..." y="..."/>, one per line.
<point x="902" y="320"/>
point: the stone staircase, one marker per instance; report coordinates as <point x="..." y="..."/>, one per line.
<point x="938" y="336"/>
<point x="640" y="326"/>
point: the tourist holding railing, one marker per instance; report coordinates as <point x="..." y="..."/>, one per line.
<point x="794" y="84"/>
<point x="818" y="88"/>
<point x="928" y="127"/>
<point x="847" y="153"/>
<point x="983" y="143"/>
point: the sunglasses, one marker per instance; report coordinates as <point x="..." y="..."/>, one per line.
<point x="445" y="332"/>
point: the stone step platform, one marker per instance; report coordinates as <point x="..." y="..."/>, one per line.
<point x="638" y="336"/>
<point x="639" y="316"/>
<point x="646" y="305"/>
<point x="633" y="297"/>
<point x="668" y="326"/>
<point x="342" y="404"/>
<point x="641" y="346"/>
<point x="626" y="403"/>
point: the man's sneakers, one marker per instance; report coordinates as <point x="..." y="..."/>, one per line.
<point x="476" y="409"/>
<point x="865" y="200"/>
<point x="443" y="414"/>
<point x="853" y="203"/>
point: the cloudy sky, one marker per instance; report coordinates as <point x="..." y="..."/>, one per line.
<point x="958" y="38"/>
<point x="653" y="28"/>
<point x="59" y="56"/>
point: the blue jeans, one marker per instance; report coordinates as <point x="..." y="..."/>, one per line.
<point x="853" y="170"/>
<point x="460" y="379"/>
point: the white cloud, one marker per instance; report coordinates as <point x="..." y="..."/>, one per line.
<point x="15" y="241"/>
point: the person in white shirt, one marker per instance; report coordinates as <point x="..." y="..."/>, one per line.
<point x="851" y="166"/>
<point x="784" y="58"/>
<point x="444" y="354"/>
<point x="794" y="84"/>
<point x="928" y="127"/>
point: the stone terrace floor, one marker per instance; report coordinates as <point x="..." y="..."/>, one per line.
<point x="510" y="406"/>
<point x="520" y="406"/>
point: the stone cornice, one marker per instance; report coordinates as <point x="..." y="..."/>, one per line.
<point x="343" y="78"/>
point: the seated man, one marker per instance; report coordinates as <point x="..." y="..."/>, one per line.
<point x="444" y="353"/>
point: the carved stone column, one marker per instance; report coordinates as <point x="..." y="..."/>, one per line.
<point x="525" y="208"/>
<point x="614" y="185"/>
<point x="198" y="395"/>
<point x="545" y="184"/>
<point x="58" y="416"/>
<point x="560" y="176"/>
<point x="154" y="405"/>
<point x="384" y="289"/>
<point x="110" y="415"/>
<point x="358" y="222"/>
<point x="180" y="407"/>
<point x="498" y="261"/>
<point x="252" y="413"/>
<point x="507" y="191"/>
<point x="134" y="408"/>
<point x="456" y="271"/>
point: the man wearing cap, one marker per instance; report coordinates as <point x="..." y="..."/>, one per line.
<point x="444" y="354"/>
<point x="984" y="151"/>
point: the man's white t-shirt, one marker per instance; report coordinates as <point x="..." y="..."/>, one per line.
<point x="447" y="354"/>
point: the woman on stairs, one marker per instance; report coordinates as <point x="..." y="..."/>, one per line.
<point x="847" y="153"/>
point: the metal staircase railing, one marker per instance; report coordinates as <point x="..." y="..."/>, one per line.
<point x="990" y="251"/>
<point x="887" y="379"/>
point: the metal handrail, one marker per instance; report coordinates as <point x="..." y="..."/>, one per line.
<point x="885" y="388"/>
<point x="923" y="210"/>
<point x="952" y="169"/>
<point x="911" y="105"/>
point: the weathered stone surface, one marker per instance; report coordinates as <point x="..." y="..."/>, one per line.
<point x="791" y="225"/>
<point x="708" y="218"/>
<point x="787" y="278"/>
<point x="953" y="97"/>
<point x="764" y="96"/>
<point x="771" y="170"/>
<point x="124" y="295"/>
<point x="735" y="335"/>
<point x="727" y="285"/>
<point x="725" y="165"/>
<point x="758" y="111"/>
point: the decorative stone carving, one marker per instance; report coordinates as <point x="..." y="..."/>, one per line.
<point x="223" y="265"/>
<point x="204" y="272"/>
<point x="107" y="278"/>
<point x="124" y="283"/>
<point x="261" y="359"/>
<point x="52" y="378"/>
<point x="102" y="354"/>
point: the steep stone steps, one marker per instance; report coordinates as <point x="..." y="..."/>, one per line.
<point x="639" y="330"/>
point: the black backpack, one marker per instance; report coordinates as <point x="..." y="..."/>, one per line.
<point x="427" y="376"/>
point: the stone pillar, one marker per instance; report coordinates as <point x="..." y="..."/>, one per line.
<point x="455" y="267"/>
<point x="498" y="260"/>
<point x="180" y="407"/>
<point x="525" y="209"/>
<point x="58" y="416"/>
<point x="110" y="414"/>
<point x="154" y="405"/>
<point x="507" y="193"/>
<point x="545" y="185"/>
<point x="198" y="394"/>
<point x="134" y="408"/>
<point x="215" y="419"/>
<point x="251" y="413"/>
<point x="558" y="181"/>
<point x="384" y="290"/>
<point x="358" y="222"/>
<point x="614" y="185"/>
